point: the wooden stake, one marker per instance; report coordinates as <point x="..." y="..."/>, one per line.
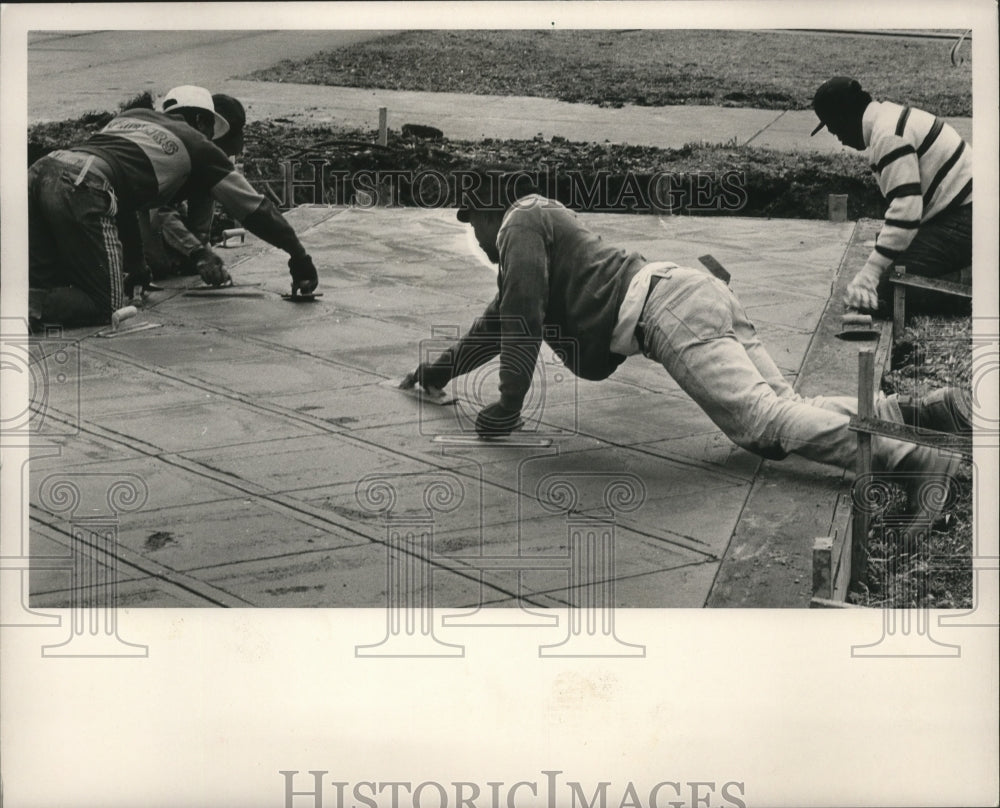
<point x="288" y="186"/>
<point x="866" y="409"/>
<point x="898" y="306"/>
<point x="837" y="207"/>
<point x="823" y="567"/>
<point x="383" y="131"/>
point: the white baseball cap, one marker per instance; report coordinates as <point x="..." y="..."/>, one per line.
<point x="187" y="96"/>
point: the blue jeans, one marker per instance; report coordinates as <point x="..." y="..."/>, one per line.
<point x="696" y="328"/>
<point x="75" y="255"/>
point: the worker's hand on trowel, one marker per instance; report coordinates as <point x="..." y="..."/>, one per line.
<point x="305" y="279"/>
<point x="862" y="292"/>
<point x="210" y="266"/>
<point x="425" y="377"/>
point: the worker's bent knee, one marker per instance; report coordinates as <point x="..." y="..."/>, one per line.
<point x="767" y="448"/>
<point x="69" y="306"/>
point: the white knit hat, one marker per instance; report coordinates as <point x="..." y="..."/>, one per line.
<point x="188" y="96"/>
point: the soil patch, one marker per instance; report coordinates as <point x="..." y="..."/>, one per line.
<point x="697" y="179"/>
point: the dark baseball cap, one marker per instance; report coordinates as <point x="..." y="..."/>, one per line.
<point x="232" y="110"/>
<point x="838" y="99"/>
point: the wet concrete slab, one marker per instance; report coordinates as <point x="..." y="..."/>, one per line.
<point x="220" y="533"/>
<point x="354" y="575"/>
<point x="161" y="484"/>
<point x="366" y="407"/>
<point x="650" y="416"/>
<point x="144" y="592"/>
<point x="270" y="442"/>
<point x="681" y="587"/>
<point x="212" y="423"/>
<point x="711" y="448"/>
<point x="79" y="450"/>
<point x="301" y="462"/>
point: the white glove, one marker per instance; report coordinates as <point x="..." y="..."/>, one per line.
<point x="862" y="292"/>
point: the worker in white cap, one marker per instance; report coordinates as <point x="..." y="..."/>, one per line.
<point x="173" y="234"/>
<point x="83" y="231"/>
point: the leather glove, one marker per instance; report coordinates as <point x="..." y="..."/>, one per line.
<point x="862" y="292"/>
<point x="304" y="276"/>
<point x="496" y="421"/>
<point x="210" y="267"/>
<point x="427" y="377"/>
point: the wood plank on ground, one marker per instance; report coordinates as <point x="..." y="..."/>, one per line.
<point x="768" y="563"/>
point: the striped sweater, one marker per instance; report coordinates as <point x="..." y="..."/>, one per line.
<point x="923" y="167"/>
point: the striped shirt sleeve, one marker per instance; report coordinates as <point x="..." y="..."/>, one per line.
<point x="897" y="169"/>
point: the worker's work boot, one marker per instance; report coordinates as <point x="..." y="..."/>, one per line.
<point x="926" y="474"/>
<point x="948" y="409"/>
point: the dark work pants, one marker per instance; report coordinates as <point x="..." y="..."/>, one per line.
<point x="75" y="253"/>
<point x="941" y="249"/>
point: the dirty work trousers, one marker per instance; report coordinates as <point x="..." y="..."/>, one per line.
<point x="695" y="327"/>
<point x="75" y="260"/>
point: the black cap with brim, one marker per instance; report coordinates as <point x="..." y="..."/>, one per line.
<point x="834" y="98"/>
<point x="232" y="110"/>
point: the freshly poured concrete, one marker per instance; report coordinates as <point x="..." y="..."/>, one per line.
<point x="268" y="440"/>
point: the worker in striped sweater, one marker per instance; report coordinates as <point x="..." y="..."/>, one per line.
<point x="924" y="170"/>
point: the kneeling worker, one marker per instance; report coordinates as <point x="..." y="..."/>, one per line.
<point x="924" y="171"/>
<point x="82" y="204"/>
<point x="173" y="235"/>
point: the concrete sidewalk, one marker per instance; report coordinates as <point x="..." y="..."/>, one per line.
<point x="71" y="75"/>
<point x="268" y="441"/>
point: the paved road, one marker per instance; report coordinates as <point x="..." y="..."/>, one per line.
<point x="70" y="73"/>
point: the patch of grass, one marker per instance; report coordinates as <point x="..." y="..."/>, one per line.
<point x="760" y="69"/>
<point x="936" y="573"/>
<point x="931" y="352"/>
